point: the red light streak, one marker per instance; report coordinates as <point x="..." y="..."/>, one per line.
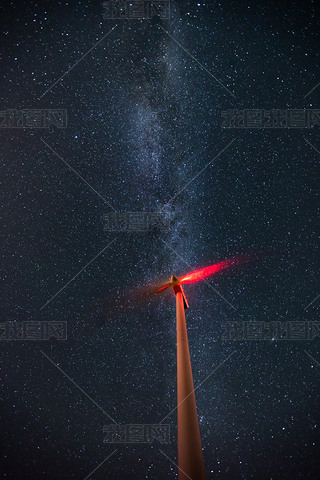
<point x="198" y="275"/>
<point x="202" y="273"/>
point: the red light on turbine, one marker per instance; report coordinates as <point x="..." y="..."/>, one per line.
<point x="198" y="275"/>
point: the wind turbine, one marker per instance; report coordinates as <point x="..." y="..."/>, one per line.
<point x="190" y="459"/>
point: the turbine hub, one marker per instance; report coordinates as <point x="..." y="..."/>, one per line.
<point x="174" y="280"/>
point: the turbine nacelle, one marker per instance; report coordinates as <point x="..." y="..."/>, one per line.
<point x="175" y="283"/>
<point x="174" y="280"/>
<point x="176" y="287"/>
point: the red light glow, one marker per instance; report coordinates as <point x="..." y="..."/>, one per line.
<point x="198" y="275"/>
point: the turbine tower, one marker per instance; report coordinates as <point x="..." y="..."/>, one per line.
<point x="190" y="460"/>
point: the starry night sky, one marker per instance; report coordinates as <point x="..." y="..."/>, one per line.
<point x="144" y="119"/>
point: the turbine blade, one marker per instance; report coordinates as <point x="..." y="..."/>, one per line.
<point x="163" y="287"/>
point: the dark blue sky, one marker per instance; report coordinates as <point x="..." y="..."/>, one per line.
<point x="145" y="134"/>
